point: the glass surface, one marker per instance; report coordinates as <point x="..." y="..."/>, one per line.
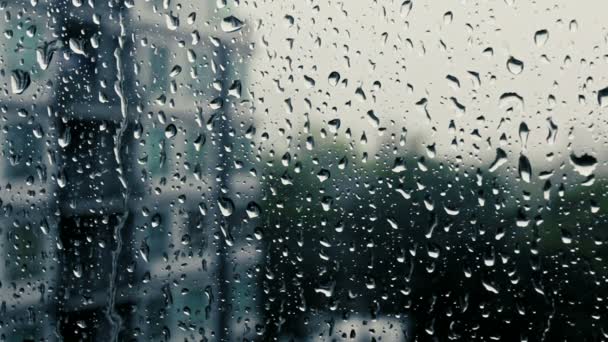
<point x="255" y="170"/>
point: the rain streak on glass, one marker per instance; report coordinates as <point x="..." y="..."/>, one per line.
<point x="231" y="170"/>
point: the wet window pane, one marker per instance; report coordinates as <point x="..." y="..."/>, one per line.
<point x="238" y="170"/>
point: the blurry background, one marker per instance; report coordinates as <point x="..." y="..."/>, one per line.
<point x="227" y="170"/>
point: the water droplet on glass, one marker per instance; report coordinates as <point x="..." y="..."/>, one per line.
<point x="447" y="18"/>
<point x="584" y="164"/>
<point x="176" y="70"/>
<point x="77" y="271"/>
<point x="334" y="125"/>
<point x="406" y="7"/>
<point x="171" y="21"/>
<point x="231" y="24"/>
<point x="524" y="132"/>
<point x="525" y="168"/>
<point x="515" y="66"/>
<point x="501" y="159"/>
<point x="77" y="46"/>
<point x="541" y="37"/>
<point x="392" y="222"/>
<point x="20" y="81"/>
<point x="333" y="78"/>
<point x="235" y="89"/>
<point x="170" y="131"/>
<point x="602" y="97"/>
<point x="253" y="210"/>
<point x="226" y="206"/>
<point x="323" y="175"/>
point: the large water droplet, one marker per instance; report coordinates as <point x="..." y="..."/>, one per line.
<point x="77" y="46"/>
<point x="226" y="206"/>
<point x="170" y="131"/>
<point x="20" y="81"/>
<point x="584" y="164"/>
<point x="524" y="132"/>
<point x="602" y="97"/>
<point x="333" y="78"/>
<point x="501" y="158"/>
<point x="231" y="24"/>
<point x="44" y="54"/>
<point x="515" y="66"/>
<point x="171" y="21"/>
<point x="253" y="210"/>
<point x="525" y="168"/>
<point x="541" y="37"/>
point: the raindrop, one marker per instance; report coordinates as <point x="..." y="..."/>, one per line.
<point x="501" y="158"/>
<point x="199" y="142"/>
<point x="170" y="131"/>
<point x="62" y="180"/>
<point x="176" y="70"/>
<point x="451" y="210"/>
<point x="334" y="125"/>
<point x="326" y="203"/>
<point x="552" y="134"/>
<point x="447" y="17"/>
<point x="323" y="175"/>
<point x="373" y="119"/>
<point x="20" y="81"/>
<point x="541" y="37"/>
<point x="144" y="251"/>
<point x="77" y="46"/>
<point x="524" y="132"/>
<point x="310" y="82"/>
<point x="406" y="7"/>
<point x="226" y="206"/>
<point x="253" y="210"/>
<point x="515" y="66"/>
<point x="392" y="222"/>
<point x="584" y="164"/>
<point x="138" y="130"/>
<point x="573" y="26"/>
<point x="38" y="131"/>
<point x="231" y="24"/>
<point x="566" y="236"/>
<point x="31" y="31"/>
<point x="602" y="97"/>
<point x="333" y="78"/>
<point x="171" y="21"/>
<point x="156" y="220"/>
<point x="77" y="271"/>
<point x="399" y="165"/>
<point x="525" y="169"/>
<point x="235" y="89"/>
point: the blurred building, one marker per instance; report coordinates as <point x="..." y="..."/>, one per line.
<point x="94" y="249"/>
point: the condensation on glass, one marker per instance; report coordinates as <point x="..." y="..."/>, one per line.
<point x="242" y="170"/>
